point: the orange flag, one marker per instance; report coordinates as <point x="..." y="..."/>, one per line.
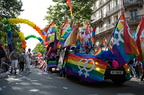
<point x="70" y="5"/>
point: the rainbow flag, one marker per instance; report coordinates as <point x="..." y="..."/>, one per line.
<point x="70" y="5"/>
<point x="103" y="43"/>
<point x="140" y="40"/>
<point x="64" y="29"/>
<point x="99" y="51"/>
<point x="92" y="40"/>
<point x="47" y="38"/>
<point x="72" y="38"/>
<point x="52" y="64"/>
<point x="65" y="32"/>
<point x="119" y="35"/>
<point x="50" y="28"/>
<point x="59" y="45"/>
<point x="89" y="69"/>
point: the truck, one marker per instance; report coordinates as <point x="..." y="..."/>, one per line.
<point x="89" y="69"/>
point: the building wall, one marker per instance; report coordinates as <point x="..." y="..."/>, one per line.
<point x="106" y="14"/>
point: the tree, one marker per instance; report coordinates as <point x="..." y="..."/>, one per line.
<point x="39" y="48"/>
<point x="60" y="12"/>
<point x="10" y="9"/>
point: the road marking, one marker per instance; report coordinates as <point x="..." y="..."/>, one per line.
<point x="125" y="94"/>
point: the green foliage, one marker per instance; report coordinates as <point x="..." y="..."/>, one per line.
<point x="10" y="9"/>
<point x="39" y="48"/>
<point x="60" y="12"/>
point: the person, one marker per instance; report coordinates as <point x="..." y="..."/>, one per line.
<point x="138" y="68"/>
<point x="2" y="52"/>
<point x="28" y="56"/>
<point x="14" y="56"/>
<point x="142" y="76"/>
<point x="130" y="64"/>
<point x="21" y="62"/>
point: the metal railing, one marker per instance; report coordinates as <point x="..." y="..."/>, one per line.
<point x="108" y="27"/>
<point x="102" y="4"/>
<point x="113" y="10"/>
<point x="127" y="2"/>
<point x="134" y="19"/>
<point x="94" y="19"/>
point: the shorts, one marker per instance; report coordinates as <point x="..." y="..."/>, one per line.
<point x="27" y="65"/>
<point x="14" y="63"/>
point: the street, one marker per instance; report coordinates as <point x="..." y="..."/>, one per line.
<point x="40" y="83"/>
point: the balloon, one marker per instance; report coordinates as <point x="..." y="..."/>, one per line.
<point x="21" y="35"/>
<point x="8" y="27"/>
<point x="20" y="20"/>
<point x="33" y="36"/>
<point x="9" y="34"/>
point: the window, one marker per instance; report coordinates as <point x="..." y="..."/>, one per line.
<point x="115" y="3"/>
<point x="133" y="14"/>
<point x="109" y="21"/>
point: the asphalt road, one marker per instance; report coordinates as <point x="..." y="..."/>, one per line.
<point x="40" y="83"/>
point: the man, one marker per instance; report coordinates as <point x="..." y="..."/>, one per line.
<point x="2" y="52"/>
<point x="28" y="56"/>
<point x="14" y="56"/>
<point x="21" y="62"/>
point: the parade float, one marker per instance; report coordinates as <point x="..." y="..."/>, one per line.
<point x="103" y="64"/>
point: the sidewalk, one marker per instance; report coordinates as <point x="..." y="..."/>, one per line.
<point x="137" y="80"/>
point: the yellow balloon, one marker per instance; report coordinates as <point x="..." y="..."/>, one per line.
<point x="25" y="21"/>
<point x="21" y="35"/>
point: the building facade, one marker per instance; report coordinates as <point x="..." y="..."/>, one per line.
<point x="107" y="12"/>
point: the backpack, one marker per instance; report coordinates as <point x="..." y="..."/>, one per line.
<point x="22" y="58"/>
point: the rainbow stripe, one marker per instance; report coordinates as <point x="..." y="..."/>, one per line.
<point x="99" y="51"/>
<point x="73" y="65"/>
<point x="124" y="49"/>
<point x="104" y="43"/>
<point x="51" y="64"/>
<point x="50" y="28"/>
<point x="65" y="32"/>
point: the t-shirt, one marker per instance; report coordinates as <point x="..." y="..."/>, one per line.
<point x="15" y="55"/>
<point x="27" y="56"/>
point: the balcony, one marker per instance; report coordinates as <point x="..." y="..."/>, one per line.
<point x="96" y="19"/>
<point x="134" y="20"/>
<point x="104" y="29"/>
<point x="101" y="5"/>
<point x="131" y="3"/>
<point x="113" y="10"/>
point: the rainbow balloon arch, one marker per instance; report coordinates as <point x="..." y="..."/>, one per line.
<point x="21" y="34"/>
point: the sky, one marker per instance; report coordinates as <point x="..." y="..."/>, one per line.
<point x="34" y="11"/>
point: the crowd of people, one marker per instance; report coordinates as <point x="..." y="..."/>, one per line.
<point x="14" y="62"/>
<point x="136" y="69"/>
